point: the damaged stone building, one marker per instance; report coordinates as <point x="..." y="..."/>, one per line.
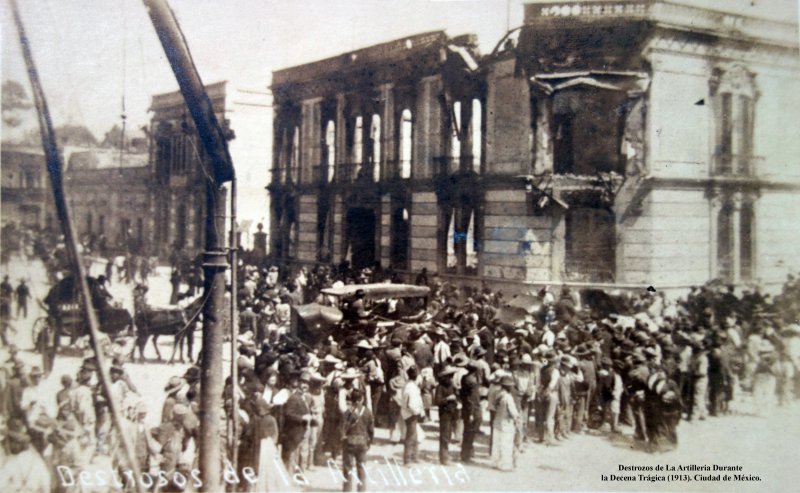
<point x="621" y="143"/>
<point x="180" y="165"/>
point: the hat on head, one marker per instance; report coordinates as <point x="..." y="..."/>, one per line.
<point x="460" y="359"/>
<point x="450" y="370"/>
<point x="305" y="377"/>
<point x="141" y="407"/>
<point x="526" y="359"/>
<point x="317" y="378"/>
<point x="507" y="381"/>
<point x="363" y="344"/>
<point x="36" y="372"/>
<point x="329" y="358"/>
<point x="349" y="374"/>
<point x="174" y="384"/>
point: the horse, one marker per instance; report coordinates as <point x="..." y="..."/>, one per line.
<point x="174" y="320"/>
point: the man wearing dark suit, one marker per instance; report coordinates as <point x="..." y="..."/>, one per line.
<point x="296" y="418"/>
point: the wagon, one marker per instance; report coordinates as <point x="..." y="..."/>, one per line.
<point x="65" y="317"/>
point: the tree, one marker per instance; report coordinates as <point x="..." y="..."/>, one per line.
<point x="113" y="137"/>
<point x="15" y="98"/>
<point x="70" y="134"/>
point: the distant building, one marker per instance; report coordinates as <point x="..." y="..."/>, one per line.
<point x="180" y="165"/>
<point x="27" y="199"/>
<point x="614" y="143"/>
<point x="109" y="197"/>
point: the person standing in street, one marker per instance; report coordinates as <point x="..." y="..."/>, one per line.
<point x="412" y="411"/>
<point x="447" y="401"/>
<point x="471" y="413"/>
<point x="6" y="295"/>
<point x="358" y="432"/>
<point x="23" y="293"/>
<point x="504" y="426"/>
<point x="296" y="420"/>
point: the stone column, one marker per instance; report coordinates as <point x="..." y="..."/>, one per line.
<point x="341" y="142"/>
<point x="388" y="154"/>
<point x="309" y="139"/>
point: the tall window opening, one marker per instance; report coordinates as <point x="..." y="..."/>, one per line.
<point x="587" y="131"/>
<point x="725" y="232"/>
<point x="455" y="138"/>
<point x="462" y="245"/>
<point x="734" y="102"/>
<point x="400" y="238"/>
<point x="475" y="129"/>
<point x="406" y="144"/>
<point x="294" y="159"/>
<point x="330" y="149"/>
<point x="375" y="137"/>
<point x="180" y="227"/>
<point x="358" y="146"/>
<point x="747" y="241"/>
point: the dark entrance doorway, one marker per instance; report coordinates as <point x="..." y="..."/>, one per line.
<point x="361" y="236"/>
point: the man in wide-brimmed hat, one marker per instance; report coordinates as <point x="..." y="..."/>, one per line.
<point x="447" y="400"/>
<point x="173" y="388"/>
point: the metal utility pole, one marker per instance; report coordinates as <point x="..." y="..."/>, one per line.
<point x="54" y="168"/>
<point x="214" y="265"/>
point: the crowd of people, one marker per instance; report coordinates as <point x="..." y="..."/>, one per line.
<point x="488" y="386"/>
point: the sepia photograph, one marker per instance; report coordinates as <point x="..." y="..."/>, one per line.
<point x="399" y="245"/>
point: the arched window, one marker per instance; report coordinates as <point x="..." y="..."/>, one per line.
<point x="330" y="147"/>
<point x="406" y="147"/>
<point x="375" y="136"/>
<point x="475" y="128"/>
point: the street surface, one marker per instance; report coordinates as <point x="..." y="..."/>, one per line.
<point x="762" y="441"/>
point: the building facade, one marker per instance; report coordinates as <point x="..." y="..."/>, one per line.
<point x="27" y="199"/>
<point x="109" y="197"/>
<point x="622" y="143"/>
<point x="181" y="166"/>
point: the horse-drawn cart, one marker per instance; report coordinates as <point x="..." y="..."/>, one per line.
<point x="66" y="317"/>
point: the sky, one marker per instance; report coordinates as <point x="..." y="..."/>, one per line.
<point x="92" y="52"/>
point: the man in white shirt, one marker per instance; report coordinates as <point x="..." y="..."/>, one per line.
<point x="411" y="411"/>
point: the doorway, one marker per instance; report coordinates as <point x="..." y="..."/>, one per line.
<point x="361" y="236"/>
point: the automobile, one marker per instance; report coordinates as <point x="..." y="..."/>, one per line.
<point x="386" y="304"/>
